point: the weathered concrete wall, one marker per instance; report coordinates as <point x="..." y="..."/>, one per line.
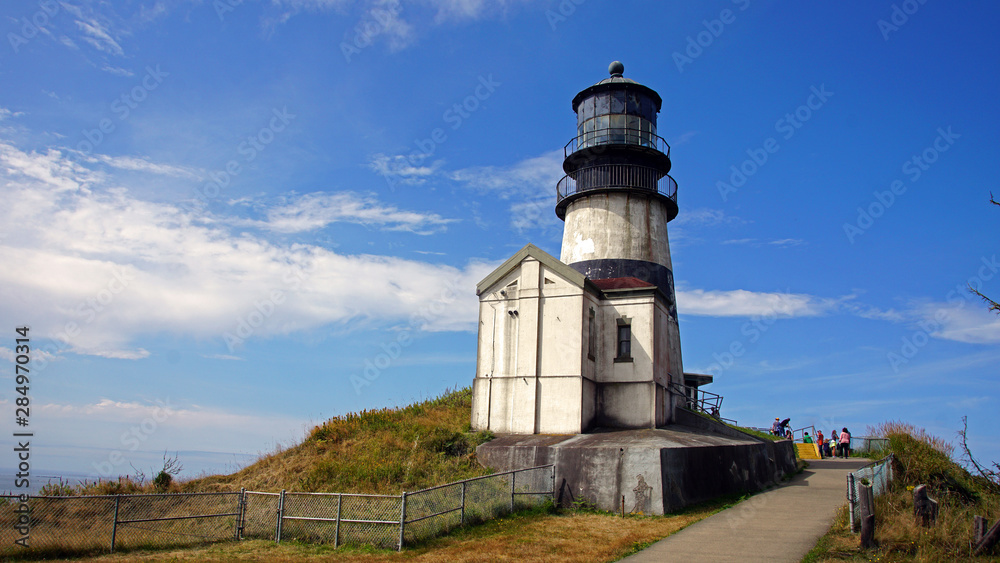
<point x="537" y="371"/>
<point x="656" y="470"/>
<point x="616" y="225"/>
<point x="531" y="354"/>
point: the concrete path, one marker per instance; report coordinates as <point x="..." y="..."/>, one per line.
<point x="782" y="524"/>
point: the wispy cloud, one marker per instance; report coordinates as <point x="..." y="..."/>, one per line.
<point x="706" y="217"/>
<point x="7" y="114"/>
<point x="783" y="243"/>
<point x="961" y="321"/>
<point x="75" y="229"/>
<point x="743" y="303"/>
<point x="529" y="185"/>
<point x="118" y="71"/>
<point x="404" y="169"/>
<point x="99" y="37"/>
<point x="142" y="164"/>
<point x="226" y="357"/>
<point x="317" y="210"/>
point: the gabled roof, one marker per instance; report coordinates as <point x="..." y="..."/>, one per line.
<point x="533" y="251"/>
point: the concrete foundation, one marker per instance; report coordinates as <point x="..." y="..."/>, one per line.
<point x="657" y="470"/>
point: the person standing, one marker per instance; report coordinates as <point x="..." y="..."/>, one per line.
<point x="820" y="442"/>
<point x="776" y="427"/>
<point x="845" y="443"/>
<point x="834" y="442"/>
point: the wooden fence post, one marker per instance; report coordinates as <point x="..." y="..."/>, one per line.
<point x="990" y="539"/>
<point x="979" y="527"/>
<point x="866" y="501"/>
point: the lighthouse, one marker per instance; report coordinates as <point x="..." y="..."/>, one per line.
<point x="590" y="339"/>
<point x="579" y="357"/>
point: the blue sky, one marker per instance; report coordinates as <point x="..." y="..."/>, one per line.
<point x="219" y="216"/>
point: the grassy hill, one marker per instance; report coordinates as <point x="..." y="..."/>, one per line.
<point x="383" y="451"/>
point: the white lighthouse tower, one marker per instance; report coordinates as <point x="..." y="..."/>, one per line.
<point x="579" y="362"/>
<point x="590" y="340"/>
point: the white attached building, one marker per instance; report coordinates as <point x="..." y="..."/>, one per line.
<point x="560" y="353"/>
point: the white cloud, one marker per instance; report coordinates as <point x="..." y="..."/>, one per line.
<point x="530" y="185"/>
<point x="961" y="321"/>
<point x="227" y="357"/>
<point x="787" y="242"/>
<point x="317" y="210"/>
<point x="743" y="303"/>
<point x="99" y="37"/>
<point x="784" y="243"/>
<point x="34" y="355"/>
<point x="118" y="71"/>
<point x="403" y="169"/>
<point x="116" y="268"/>
<point x="142" y="164"/>
<point x="705" y="216"/>
<point x="7" y="114"/>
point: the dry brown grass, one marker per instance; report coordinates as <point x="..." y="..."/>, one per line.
<point x="569" y="536"/>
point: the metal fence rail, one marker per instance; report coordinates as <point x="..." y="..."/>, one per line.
<point x="90" y="523"/>
<point x="436" y="510"/>
<point x="341" y="518"/>
<point x="878" y="474"/>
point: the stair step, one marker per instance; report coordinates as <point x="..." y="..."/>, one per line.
<point x="807" y="451"/>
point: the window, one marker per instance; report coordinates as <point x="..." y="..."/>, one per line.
<point x="624" y="350"/>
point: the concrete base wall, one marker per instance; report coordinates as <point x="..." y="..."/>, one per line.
<point x="657" y="471"/>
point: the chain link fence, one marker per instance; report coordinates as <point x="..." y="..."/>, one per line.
<point x="108" y="522"/>
<point x="341" y="518"/>
<point x="878" y="474"/>
<point x="436" y="510"/>
<point x="64" y="525"/>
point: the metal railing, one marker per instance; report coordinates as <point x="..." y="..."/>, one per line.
<point x="622" y="176"/>
<point x="798" y="435"/>
<point x="616" y="136"/>
<point x="436" y="510"/>
<point x="83" y="523"/>
<point x="867" y="444"/>
<point x="698" y="400"/>
<point x="878" y="474"/>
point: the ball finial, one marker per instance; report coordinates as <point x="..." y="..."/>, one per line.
<point x="616" y="68"/>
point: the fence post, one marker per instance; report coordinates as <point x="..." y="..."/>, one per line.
<point x="402" y="519"/>
<point x="867" y="505"/>
<point x="114" y="528"/>
<point x="851" y="501"/>
<point x="281" y="513"/>
<point x="513" y="476"/>
<point x="336" y="532"/>
<point x="552" y="479"/>
<point x="241" y="511"/>
<point x="463" y="502"/>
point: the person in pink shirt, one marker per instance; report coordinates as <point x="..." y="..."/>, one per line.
<point x="845" y="443"/>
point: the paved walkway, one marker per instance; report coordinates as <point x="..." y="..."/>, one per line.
<point x="782" y="524"/>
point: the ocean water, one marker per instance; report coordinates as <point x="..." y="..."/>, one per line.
<point x="38" y="479"/>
